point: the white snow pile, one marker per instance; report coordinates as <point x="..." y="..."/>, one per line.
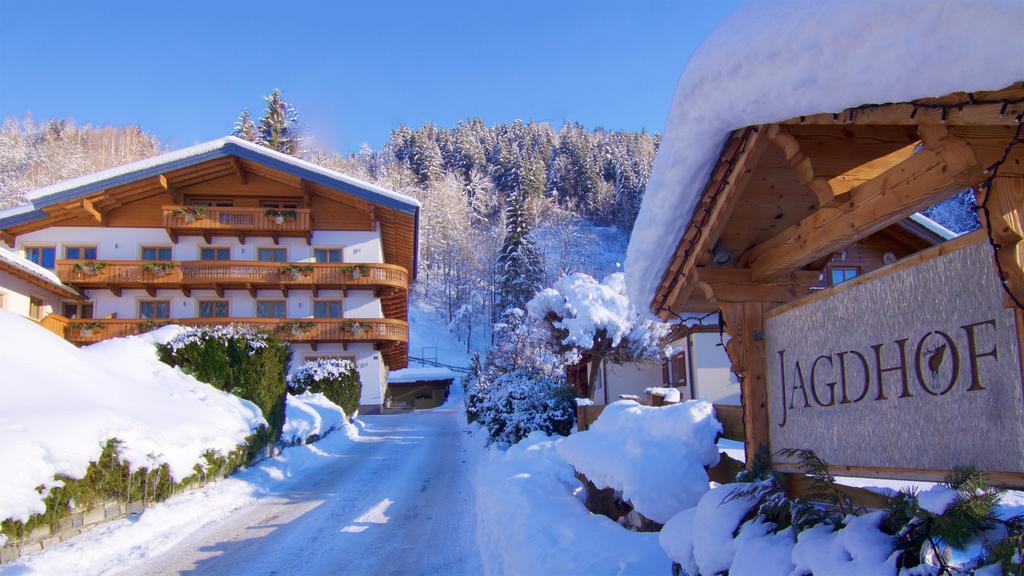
<point x="310" y="416"/>
<point x="670" y="395"/>
<point x="655" y="457"/>
<point x="701" y="540"/>
<point x="530" y="522"/>
<point x="61" y="404"/>
<point x="771" y="61"/>
<point x="421" y="374"/>
<point x="587" y="308"/>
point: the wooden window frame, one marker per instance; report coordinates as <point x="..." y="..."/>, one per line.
<point x="274" y="248"/>
<point x="678" y="370"/>
<point x="25" y="249"/>
<point x="212" y="202"/>
<point x="281" y="300"/>
<point x="140" y="301"/>
<point x="143" y="247"/>
<point x="340" y="301"/>
<point x="35" y="307"/>
<point x="856" y="272"/>
<point x="275" y="204"/>
<point x="200" y="301"/>
<point x="201" y="247"/>
<point x="78" y="305"/>
<point x="340" y="249"/>
<point x="81" y="247"/>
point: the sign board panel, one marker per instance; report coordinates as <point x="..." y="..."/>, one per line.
<point x="913" y="370"/>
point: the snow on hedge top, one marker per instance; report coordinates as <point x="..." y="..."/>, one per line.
<point x="322" y="369"/>
<point x="254" y="339"/>
<point x="61" y="404"/>
<point x="771" y="61"/>
<point x="586" y="307"/>
<point x="654" y="456"/>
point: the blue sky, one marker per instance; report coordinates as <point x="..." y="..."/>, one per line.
<point x="355" y="70"/>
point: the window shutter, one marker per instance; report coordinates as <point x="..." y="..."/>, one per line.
<point x="679" y="368"/>
<point x="664" y="374"/>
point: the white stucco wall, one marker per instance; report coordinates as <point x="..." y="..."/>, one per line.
<point x="368" y="361"/>
<point x="15" y="294"/>
<point x="711" y="369"/>
<point x="631" y="378"/>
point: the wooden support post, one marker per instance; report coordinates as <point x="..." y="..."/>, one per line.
<point x="91" y="210"/>
<point x="1006" y="223"/>
<point x="175" y="194"/>
<point x="744" y="322"/>
<point x="8" y="238"/>
<point x="236" y="163"/>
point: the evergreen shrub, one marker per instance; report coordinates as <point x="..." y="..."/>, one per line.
<point x="248" y="363"/>
<point x="335" y="378"/>
<point x="522" y="401"/>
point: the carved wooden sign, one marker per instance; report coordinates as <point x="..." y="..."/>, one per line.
<point x="911" y="370"/>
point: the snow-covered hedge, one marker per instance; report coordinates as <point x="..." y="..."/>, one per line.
<point x="309" y="417"/>
<point x="523" y="401"/>
<point x="65" y="408"/>
<point x="335" y="378"/>
<point x="655" y="457"/>
<point x="245" y="362"/>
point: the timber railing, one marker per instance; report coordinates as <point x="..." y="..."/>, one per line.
<point x="312" y="330"/>
<point x="210" y="273"/>
<point x="197" y="219"/>
<point x="54" y="323"/>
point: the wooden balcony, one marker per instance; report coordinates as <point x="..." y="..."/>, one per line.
<point x="210" y="221"/>
<point x="220" y="275"/>
<point x="389" y="335"/>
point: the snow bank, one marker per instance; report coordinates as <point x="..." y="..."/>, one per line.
<point x="310" y="414"/>
<point x="530" y="522"/>
<point x="654" y="456"/>
<point x="772" y="61"/>
<point x="61" y="404"/>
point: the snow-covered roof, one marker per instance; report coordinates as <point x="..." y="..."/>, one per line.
<point x="406" y="375"/>
<point x="34" y="273"/>
<point x="772" y="61"/>
<point x="228" y="146"/>
<point x="933" y="226"/>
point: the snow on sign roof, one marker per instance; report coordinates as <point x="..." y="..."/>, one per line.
<point x="406" y="375"/>
<point x="771" y="61"/>
<point x="34" y="273"/>
<point x="222" y="147"/>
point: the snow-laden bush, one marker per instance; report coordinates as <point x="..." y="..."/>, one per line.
<point x="245" y="362"/>
<point x="524" y="401"/>
<point x="335" y="378"/>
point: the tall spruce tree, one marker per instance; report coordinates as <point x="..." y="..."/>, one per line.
<point x="279" y="126"/>
<point x="244" y="127"/>
<point x="518" y="267"/>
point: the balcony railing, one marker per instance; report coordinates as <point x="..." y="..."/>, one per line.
<point x="207" y="220"/>
<point x="309" y="330"/>
<point x="198" y="274"/>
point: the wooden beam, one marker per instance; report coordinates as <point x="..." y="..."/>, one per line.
<point x="90" y="209"/>
<point x="175" y="194"/>
<point x="251" y="289"/>
<point x="307" y="192"/>
<point x="219" y="290"/>
<point x="945" y="167"/>
<point x="802" y="164"/>
<point x="236" y="163"/>
<point x="151" y="291"/>
<point x="744" y="322"/>
<point x="1006" y="223"/>
<point x="8" y="238"/>
<point x="737" y="285"/>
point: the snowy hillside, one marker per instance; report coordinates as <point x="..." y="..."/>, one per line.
<point x="61" y="404"/>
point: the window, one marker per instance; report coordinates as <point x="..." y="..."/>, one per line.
<point x="679" y="369"/>
<point x="77" y="310"/>
<point x="151" y="309"/>
<point x="279" y="205"/>
<point x="841" y="274"/>
<point x="156" y="253"/>
<point x="327" y="255"/>
<point x="213" y="309"/>
<point x="79" y="252"/>
<point x="211" y="203"/>
<point x="272" y="254"/>
<point x="270" y="309"/>
<point x="45" y="256"/>
<point x="327" y="309"/>
<point x="214" y="253"/>
<point x="35" y="308"/>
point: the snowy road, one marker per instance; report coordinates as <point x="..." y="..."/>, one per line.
<point x="397" y="502"/>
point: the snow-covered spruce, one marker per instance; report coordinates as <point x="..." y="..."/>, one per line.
<point x="654" y="457"/>
<point x="524" y="401"/>
<point x="335" y="378"/>
<point x="59" y="416"/>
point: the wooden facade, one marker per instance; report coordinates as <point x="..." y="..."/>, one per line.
<point x="789" y="202"/>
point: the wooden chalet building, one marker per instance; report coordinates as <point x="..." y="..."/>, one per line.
<point x="800" y="217"/>
<point x="231" y="232"/>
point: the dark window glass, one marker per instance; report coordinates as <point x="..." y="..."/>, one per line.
<point x="156" y="253"/>
<point x="270" y="309"/>
<point x="327" y="309"/>
<point x="211" y="253"/>
<point x="151" y="309"/>
<point x="840" y="275"/>
<point x="45" y="256"/>
<point x="80" y="252"/>
<point x="213" y="309"/>
<point x="328" y="255"/>
<point x="272" y="254"/>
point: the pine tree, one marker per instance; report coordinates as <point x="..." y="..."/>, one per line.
<point x="518" y="265"/>
<point x="245" y="128"/>
<point x="279" y="125"/>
